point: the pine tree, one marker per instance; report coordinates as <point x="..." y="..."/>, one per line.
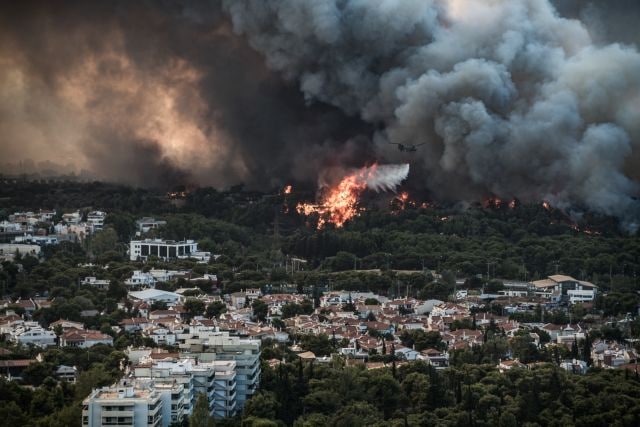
<point x="200" y="417"/>
<point x="574" y="349"/>
<point x="586" y="349"/>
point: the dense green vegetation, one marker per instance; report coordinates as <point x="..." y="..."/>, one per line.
<point x="415" y="394"/>
<point x="45" y="402"/>
<point x="256" y="238"/>
<point x="386" y="252"/>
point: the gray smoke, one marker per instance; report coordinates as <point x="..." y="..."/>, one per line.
<point x="511" y="98"/>
<point x="157" y="93"/>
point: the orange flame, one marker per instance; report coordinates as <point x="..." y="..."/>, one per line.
<point x="493" y="202"/>
<point x="512" y="204"/>
<point x="288" y="189"/>
<point x="340" y="203"/>
<point x="402" y="201"/>
<point x="546" y="205"/>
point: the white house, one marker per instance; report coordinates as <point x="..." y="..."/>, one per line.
<point x="145" y="224"/>
<point x="34" y="335"/>
<point x="140" y="279"/>
<point x="160" y="335"/>
<point x="152" y="295"/>
<point x="96" y="283"/>
<point x="84" y="339"/>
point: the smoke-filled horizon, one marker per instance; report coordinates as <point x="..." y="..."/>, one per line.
<point x="514" y="98"/>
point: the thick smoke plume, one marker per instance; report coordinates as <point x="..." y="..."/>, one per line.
<point x="511" y="99"/>
<point x="156" y="94"/>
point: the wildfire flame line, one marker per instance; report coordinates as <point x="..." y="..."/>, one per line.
<point x="340" y="203"/>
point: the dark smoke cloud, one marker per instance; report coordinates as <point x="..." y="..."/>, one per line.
<point x="154" y="94"/>
<point x="512" y="99"/>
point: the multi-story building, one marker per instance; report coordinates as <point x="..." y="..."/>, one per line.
<point x="211" y="345"/>
<point x="559" y="288"/>
<point x="164" y="249"/>
<point x="134" y="405"/>
<point x="224" y="388"/>
<point x="216" y="380"/>
<point x="172" y="396"/>
<point x="95" y="220"/>
<point x="170" y="372"/>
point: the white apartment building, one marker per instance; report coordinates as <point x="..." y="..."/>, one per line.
<point x="225" y="397"/>
<point x="172" y="396"/>
<point x="95" y="220"/>
<point x="217" y="380"/>
<point x="170" y="372"/>
<point x="211" y="345"/>
<point x="135" y="405"/>
<point x="164" y="249"/>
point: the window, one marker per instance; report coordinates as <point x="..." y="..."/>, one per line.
<point x="172" y="252"/>
<point x="145" y="250"/>
<point x="163" y="251"/>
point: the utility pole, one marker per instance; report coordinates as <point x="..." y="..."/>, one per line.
<point x="611" y="275"/>
<point x="488" y="272"/>
<point x="557" y="265"/>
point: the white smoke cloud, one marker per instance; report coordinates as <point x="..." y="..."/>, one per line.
<point x="512" y="99"/>
<point x="385" y="177"/>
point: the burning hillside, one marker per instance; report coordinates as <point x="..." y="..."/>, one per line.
<point x="339" y="203"/>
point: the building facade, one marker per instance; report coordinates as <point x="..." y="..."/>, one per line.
<point x="164" y="249"/>
<point x="136" y="406"/>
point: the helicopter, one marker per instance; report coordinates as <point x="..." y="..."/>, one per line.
<point x="408" y="148"/>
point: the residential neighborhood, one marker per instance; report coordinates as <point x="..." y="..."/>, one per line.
<point x="154" y="330"/>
